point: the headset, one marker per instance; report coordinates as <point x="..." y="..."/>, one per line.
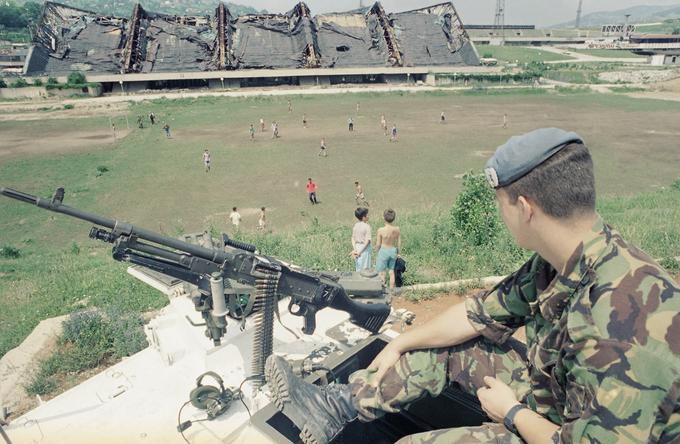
<point x="214" y="400"/>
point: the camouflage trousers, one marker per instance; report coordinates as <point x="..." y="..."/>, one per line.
<point x="428" y="372"/>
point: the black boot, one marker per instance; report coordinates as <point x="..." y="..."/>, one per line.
<point x="319" y="412"/>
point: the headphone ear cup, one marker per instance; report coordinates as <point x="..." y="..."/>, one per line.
<point x="200" y="396"/>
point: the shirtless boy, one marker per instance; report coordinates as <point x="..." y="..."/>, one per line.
<point x="388" y="243"/>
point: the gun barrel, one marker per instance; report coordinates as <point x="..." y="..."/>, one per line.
<point x="58" y="207"/>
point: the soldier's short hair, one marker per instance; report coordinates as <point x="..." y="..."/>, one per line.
<point x="389" y="215"/>
<point x="563" y="186"/>
<point x="360" y="213"/>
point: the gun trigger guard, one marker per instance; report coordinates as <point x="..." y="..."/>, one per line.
<point x="296" y="312"/>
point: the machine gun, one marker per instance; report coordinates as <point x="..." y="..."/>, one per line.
<point x="211" y="269"/>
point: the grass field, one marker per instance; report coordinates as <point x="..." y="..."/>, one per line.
<point x="518" y="54"/>
<point x="608" y="53"/>
<point x="160" y="183"/>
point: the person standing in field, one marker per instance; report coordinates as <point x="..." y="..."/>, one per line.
<point x="304" y="120"/>
<point x="383" y="124"/>
<point x="252" y="132"/>
<point x="505" y="120"/>
<point x="442" y="118"/>
<point x="350" y="124"/>
<point x="359" y="196"/>
<point x="166" y="128"/>
<point x="152" y="118"/>
<point x="261" y="124"/>
<point x="311" y="191"/>
<point x="361" y="240"/>
<point x="206" y="160"/>
<point x="235" y="217"/>
<point x="322" y="148"/>
<point x="290" y="107"/>
<point x="393" y="138"/>
<point x="388" y="243"/>
<point x="262" y="220"/>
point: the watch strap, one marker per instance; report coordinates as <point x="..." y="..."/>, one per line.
<point x="509" y="420"/>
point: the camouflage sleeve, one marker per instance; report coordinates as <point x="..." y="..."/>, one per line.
<point x="496" y="314"/>
<point x="619" y="392"/>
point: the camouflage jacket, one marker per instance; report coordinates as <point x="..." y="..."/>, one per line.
<point x="603" y="340"/>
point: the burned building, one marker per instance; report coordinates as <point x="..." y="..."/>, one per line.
<point x="156" y="48"/>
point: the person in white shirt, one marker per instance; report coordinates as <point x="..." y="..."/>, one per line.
<point x="361" y="240"/>
<point x="235" y="217"/>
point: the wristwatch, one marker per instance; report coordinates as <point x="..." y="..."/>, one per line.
<point x="509" y="420"/>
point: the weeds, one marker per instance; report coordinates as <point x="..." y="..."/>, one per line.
<point x="89" y="339"/>
<point x="10" y="252"/>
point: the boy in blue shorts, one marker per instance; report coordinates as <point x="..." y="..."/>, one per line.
<point x="388" y="244"/>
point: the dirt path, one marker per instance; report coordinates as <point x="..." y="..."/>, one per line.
<point x="15" y="144"/>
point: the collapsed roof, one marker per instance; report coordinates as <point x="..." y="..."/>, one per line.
<point x="70" y="39"/>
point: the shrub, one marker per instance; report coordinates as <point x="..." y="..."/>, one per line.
<point x="75" y="248"/>
<point x="37" y="82"/>
<point x="670" y="264"/>
<point x="474" y="215"/>
<point x="676" y="184"/>
<point x="3" y="84"/>
<point x="19" y="83"/>
<point x="69" y="106"/>
<point x="10" y="252"/>
<point x="76" y="78"/>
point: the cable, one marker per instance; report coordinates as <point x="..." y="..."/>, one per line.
<point x="249" y="378"/>
<point x="182" y="427"/>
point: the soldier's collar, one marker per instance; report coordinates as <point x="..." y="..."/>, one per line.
<point x="578" y="272"/>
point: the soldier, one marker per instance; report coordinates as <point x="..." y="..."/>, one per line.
<point x="602" y="356"/>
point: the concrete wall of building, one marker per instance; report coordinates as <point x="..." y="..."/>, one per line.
<point x="30" y="92"/>
<point x="224" y="83"/>
<point x="135" y="87"/>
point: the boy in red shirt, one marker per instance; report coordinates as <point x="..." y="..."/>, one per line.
<point x="311" y="189"/>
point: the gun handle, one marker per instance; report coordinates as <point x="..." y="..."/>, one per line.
<point x="307" y="311"/>
<point x="310" y="321"/>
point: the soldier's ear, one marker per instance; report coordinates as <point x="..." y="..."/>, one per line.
<point x="527" y="208"/>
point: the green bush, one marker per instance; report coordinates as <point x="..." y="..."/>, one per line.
<point x="3" y="84"/>
<point x="37" y="82"/>
<point x="670" y="264"/>
<point x="69" y="106"/>
<point x="19" y="83"/>
<point x="10" y="252"/>
<point x="89" y="339"/>
<point x="76" y="78"/>
<point x="474" y="215"/>
<point x="676" y="184"/>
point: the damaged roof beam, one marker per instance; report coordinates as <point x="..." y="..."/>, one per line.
<point x="388" y="31"/>
<point x="310" y="55"/>
<point x="222" y="23"/>
<point x="131" y="48"/>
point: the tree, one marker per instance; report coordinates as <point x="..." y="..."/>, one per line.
<point x="12" y="16"/>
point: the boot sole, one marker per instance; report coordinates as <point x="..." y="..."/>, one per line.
<point x="276" y="378"/>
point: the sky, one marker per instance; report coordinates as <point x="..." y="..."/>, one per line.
<point x="530" y="12"/>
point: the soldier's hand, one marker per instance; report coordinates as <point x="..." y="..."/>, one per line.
<point x="385" y="360"/>
<point x="496" y="399"/>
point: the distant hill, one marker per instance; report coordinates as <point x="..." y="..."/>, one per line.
<point x="638" y="14"/>
<point x="123" y="8"/>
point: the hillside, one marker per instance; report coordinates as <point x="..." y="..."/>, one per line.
<point x="638" y="14"/>
<point x="123" y="8"/>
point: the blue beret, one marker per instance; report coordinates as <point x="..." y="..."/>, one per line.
<point x="521" y="154"/>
